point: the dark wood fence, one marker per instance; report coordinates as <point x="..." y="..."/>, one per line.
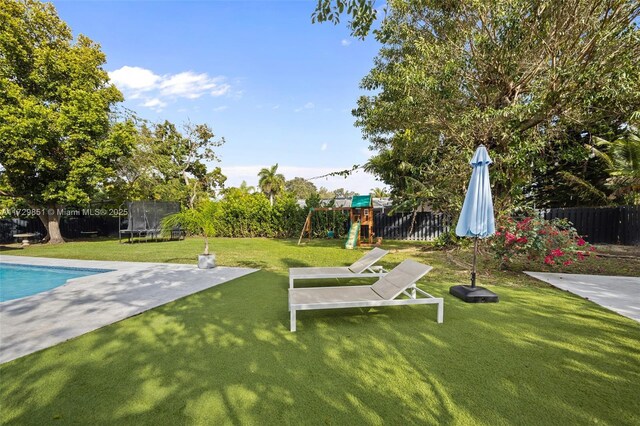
<point x="603" y="225"/>
<point x="426" y="226"/>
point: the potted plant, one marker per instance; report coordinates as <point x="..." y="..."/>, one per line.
<point x="196" y="221"/>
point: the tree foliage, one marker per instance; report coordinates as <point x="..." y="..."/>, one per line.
<point x="198" y="220"/>
<point x="608" y="175"/>
<point x="523" y="78"/>
<point x="362" y="12"/>
<point x="343" y="193"/>
<point x="271" y="182"/>
<point x="325" y="193"/>
<point x="169" y="164"/>
<point x="379" y="193"/>
<point x="57" y="143"/>
<point x="300" y="188"/>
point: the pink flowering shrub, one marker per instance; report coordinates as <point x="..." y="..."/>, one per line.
<point x="554" y="242"/>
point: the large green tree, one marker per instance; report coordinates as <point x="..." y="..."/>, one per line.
<point x="301" y="188"/>
<point x="57" y="144"/>
<point x="169" y="164"/>
<point x="521" y="77"/>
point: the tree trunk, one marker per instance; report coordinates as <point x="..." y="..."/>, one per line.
<point x="51" y="221"/>
<point x="413" y="221"/>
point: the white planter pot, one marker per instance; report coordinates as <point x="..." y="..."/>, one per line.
<point x="206" y="261"/>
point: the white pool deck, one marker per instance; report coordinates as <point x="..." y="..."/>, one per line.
<point x="619" y="294"/>
<point x="85" y="304"/>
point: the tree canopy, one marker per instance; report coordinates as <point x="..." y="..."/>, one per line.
<point x="169" y="164"/>
<point x="57" y="143"/>
<point x="527" y="79"/>
<point x="300" y="188"/>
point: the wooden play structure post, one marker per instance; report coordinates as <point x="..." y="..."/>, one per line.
<point x="360" y="213"/>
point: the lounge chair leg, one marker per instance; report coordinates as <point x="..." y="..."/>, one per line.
<point x="290" y="282"/>
<point x="293" y="320"/>
<point x="440" y="311"/>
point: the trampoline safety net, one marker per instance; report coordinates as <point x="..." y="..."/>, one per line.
<point x="144" y="219"/>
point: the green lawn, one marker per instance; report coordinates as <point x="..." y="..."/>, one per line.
<point x="225" y="355"/>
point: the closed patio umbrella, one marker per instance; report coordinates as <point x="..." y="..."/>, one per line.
<point x="476" y="221"/>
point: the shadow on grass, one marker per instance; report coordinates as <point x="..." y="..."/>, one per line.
<point x="9" y="248"/>
<point x="256" y="264"/>
<point x="295" y="263"/>
<point x="225" y="355"/>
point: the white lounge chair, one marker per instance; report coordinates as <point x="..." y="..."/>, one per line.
<point x="362" y="268"/>
<point x="401" y="280"/>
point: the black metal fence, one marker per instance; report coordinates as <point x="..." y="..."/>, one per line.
<point x="426" y="225"/>
<point x="70" y="226"/>
<point x="603" y="225"/>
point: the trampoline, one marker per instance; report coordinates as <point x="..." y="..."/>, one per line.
<point x="144" y="221"/>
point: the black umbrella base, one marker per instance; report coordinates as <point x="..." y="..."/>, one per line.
<point x="473" y="294"/>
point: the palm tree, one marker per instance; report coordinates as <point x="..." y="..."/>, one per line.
<point x="195" y="221"/>
<point x="622" y="159"/>
<point x="379" y="193"/>
<point x="271" y="182"/>
<point x="244" y="187"/>
<point x="624" y="176"/>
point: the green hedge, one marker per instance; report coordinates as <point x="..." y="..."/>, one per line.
<point x="240" y="214"/>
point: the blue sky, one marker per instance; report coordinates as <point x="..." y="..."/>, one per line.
<point x="278" y="88"/>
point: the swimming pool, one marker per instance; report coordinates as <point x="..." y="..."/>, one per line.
<point x="18" y="281"/>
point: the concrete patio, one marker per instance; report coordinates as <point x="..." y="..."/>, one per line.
<point x="85" y="304"/>
<point x="620" y="294"/>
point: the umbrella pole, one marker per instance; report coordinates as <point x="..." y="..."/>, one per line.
<point x="475" y="254"/>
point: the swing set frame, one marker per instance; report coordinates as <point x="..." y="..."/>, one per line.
<point x="364" y="215"/>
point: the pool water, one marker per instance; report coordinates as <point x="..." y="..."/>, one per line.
<point x="18" y="281"/>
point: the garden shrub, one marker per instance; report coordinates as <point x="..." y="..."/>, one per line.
<point x="449" y="239"/>
<point x="287" y="217"/>
<point x="555" y="242"/>
<point x="241" y="214"/>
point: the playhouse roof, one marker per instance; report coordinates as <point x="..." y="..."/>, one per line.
<point x="361" y="201"/>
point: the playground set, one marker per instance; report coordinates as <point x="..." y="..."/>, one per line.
<point x="360" y="222"/>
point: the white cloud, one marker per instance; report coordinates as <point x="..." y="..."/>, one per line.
<point x="154" y="104"/>
<point x="345" y="42"/>
<point x="323" y="147"/>
<point x="220" y="108"/>
<point x="157" y="90"/>
<point x="359" y="181"/>
<point x="191" y="86"/>
<point x="308" y="105"/>
<point x="134" y="78"/>
<point x="221" y="89"/>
